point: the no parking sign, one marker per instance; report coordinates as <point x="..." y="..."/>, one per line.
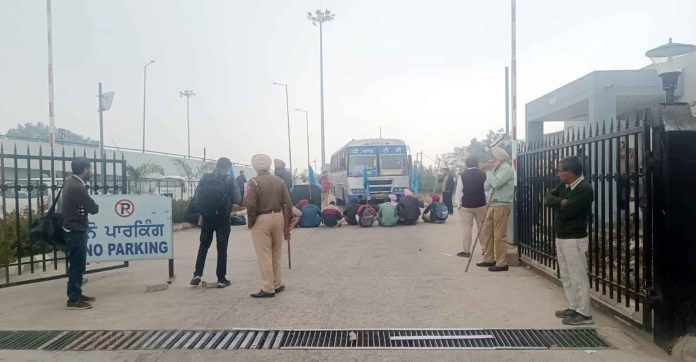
<point x="130" y="227"/>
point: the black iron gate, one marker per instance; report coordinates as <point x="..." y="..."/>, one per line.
<point x="620" y="227"/>
<point x="29" y="181"/>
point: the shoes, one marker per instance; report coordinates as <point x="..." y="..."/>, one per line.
<point x="565" y="313"/>
<point x="196" y="280"/>
<point x="224" y="283"/>
<point x="280" y="289"/>
<point x="577" y="319"/>
<point x="498" y="268"/>
<point x="85" y="298"/>
<point x="485" y="265"/>
<point x="262" y="294"/>
<point x="464" y="254"/>
<point x="78" y="304"/>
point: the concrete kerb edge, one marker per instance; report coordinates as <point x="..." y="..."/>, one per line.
<point x="601" y="305"/>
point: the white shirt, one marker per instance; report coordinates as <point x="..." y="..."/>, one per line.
<point x="576" y="182"/>
<point x="459" y="193"/>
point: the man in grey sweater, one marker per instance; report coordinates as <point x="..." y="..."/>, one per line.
<point x="76" y="205"/>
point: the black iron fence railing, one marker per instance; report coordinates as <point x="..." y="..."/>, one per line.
<point x="620" y="226"/>
<point x="29" y="182"/>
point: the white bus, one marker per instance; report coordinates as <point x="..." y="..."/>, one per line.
<point x="388" y="165"/>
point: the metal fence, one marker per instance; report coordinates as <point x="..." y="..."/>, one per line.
<point x="28" y="185"/>
<point x="620" y="234"/>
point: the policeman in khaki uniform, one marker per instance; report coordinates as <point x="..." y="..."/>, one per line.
<point x="270" y="219"/>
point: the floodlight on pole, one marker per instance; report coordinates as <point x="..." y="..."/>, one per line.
<point x="188" y="94"/>
<point x="320" y="17"/>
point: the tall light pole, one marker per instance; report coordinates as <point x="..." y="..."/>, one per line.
<point x="144" y="98"/>
<point x="309" y="160"/>
<point x="287" y="111"/>
<point x="51" y="119"/>
<point x="321" y="17"/>
<point x="188" y="94"/>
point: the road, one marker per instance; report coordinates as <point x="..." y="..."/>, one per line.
<point x="350" y="277"/>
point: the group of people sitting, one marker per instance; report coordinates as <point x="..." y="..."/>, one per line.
<point x="404" y="211"/>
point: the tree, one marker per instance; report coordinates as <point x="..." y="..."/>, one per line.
<point x="189" y="172"/>
<point x="137" y="174"/>
<point x="427" y="181"/>
<point x="456" y="160"/>
<point x="41" y="131"/>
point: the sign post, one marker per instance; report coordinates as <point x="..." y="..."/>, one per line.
<point x="131" y="227"/>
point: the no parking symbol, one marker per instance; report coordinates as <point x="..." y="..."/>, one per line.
<point x="124" y="208"/>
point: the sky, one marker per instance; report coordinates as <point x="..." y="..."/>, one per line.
<point x="430" y="73"/>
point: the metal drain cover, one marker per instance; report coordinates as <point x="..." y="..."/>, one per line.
<point x="79" y="340"/>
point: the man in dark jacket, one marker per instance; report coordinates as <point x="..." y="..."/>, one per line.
<point x="76" y="205"/>
<point x="408" y="209"/>
<point x="449" y="183"/>
<point x="350" y="212"/>
<point x="572" y="200"/>
<point x="241" y="181"/>
<point x="282" y="172"/>
<point x="214" y="197"/>
<point x="470" y="199"/>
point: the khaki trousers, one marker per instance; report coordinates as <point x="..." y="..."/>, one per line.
<point x="495" y="230"/>
<point x="324" y="199"/>
<point x="468" y="216"/>
<point x="572" y="264"/>
<point x="267" y="234"/>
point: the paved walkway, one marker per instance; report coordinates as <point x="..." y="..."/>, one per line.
<point x="404" y="277"/>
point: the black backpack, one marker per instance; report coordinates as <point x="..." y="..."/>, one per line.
<point x="368" y="216"/>
<point x="49" y="227"/>
<point x="212" y="195"/>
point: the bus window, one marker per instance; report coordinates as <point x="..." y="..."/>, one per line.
<point x="392" y="165"/>
<point x="359" y="162"/>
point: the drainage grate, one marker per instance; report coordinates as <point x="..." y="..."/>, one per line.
<point x="445" y="339"/>
<point x="585" y="338"/>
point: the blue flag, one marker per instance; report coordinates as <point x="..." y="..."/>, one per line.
<point x="414" y="179"/>
<point x="312" y="177"/>
<point x="231" y="173"/>
<point x="366" y="184"/>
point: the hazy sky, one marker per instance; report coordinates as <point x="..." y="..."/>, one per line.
<point x="430" y="72"/>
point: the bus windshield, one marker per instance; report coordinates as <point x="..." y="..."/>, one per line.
<point x="392" y="165"/>
<point x="358" y="163"/>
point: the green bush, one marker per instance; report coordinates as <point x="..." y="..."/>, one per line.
<point x="179" y="208"/>
<point x="9" y="250"/>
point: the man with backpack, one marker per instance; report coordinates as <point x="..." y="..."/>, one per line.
<point x="436" y="212"/>
<point x="214" y="197"/>
<point x="366" y="215"/>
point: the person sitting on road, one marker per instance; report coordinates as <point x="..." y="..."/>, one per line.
<point x="436" y="212"/>
<point x="366" y="215"/>
<point x="351" y="212"/>
<point x="311" y="215"/>
<point x="408" y="209"/>
<point x="331" y="216"/>
<point x="296" y="216"/>
<point x="387" y="212"/>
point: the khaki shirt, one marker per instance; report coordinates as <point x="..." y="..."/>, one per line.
<point x="265" y="193"/>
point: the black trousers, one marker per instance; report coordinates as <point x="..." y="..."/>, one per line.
<point x="221" y="227"/>
<point x="447" y="199"/>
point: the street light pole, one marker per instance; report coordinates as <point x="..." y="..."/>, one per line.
<point x="308" y="159"/>
<point x="321" y="17"/>
<point x="144" y="98"/>
<point x="188" y="94"/>
<point x="287" y="112"/>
